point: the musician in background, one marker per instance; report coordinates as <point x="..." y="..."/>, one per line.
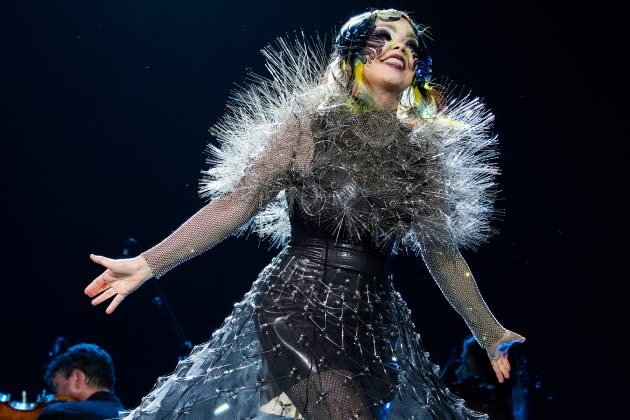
<point x="83" y="377"/>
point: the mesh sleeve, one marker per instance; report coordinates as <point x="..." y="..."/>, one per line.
<point x="287" y="151"/>
<point x="452" y="275"/>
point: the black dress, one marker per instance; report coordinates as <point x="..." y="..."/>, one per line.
<point x="99" y="406"/>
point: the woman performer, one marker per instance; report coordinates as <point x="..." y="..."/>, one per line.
<point x="342" y="163"/>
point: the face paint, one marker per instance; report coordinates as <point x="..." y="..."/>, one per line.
<point x="422" y="60"/>
<point x="359" y="42"/>
<point x="357" y="39"/>
<point x="373" y="47"/>
<point x="361" y="91"/>
<point x="380" y="40"/>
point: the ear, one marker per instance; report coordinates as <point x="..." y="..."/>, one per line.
<point x="77" y="378"/>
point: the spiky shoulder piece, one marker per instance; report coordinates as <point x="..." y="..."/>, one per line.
<point x="441" y="186"/>
<point x="462" y="134"/>
<point x="255" y="111"/>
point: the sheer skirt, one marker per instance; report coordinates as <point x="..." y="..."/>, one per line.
<point x="322" y="334"/>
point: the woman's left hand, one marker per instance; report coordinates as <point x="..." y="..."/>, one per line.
<point x="498" y="354"/>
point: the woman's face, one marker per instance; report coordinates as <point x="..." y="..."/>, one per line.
<point x="393" y="67"/>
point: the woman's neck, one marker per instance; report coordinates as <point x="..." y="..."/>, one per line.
<point x="379" y="100"/>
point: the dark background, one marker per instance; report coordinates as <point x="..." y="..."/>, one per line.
<point x="106" y="107"/>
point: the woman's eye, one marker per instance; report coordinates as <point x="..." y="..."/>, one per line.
<point x="383" y="35"/>
<point x="413" y="44"/>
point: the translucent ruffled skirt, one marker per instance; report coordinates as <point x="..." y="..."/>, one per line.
<point x="322" y="334"/>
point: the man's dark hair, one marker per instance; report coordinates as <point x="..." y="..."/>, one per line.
<point x="92" y="360"/>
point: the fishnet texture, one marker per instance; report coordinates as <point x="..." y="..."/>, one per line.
<point x="288" y="151"/>
<point x="454" y="278"/>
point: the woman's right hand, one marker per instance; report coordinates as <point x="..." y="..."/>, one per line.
<point x="498" y="354"/>
<point x="120" y="278"/>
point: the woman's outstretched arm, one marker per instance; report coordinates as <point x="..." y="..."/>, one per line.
<point x="210" y="225"/>
<point x="454" y="278"/>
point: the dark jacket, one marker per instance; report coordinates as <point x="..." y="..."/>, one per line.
<point x="100" y="406"/>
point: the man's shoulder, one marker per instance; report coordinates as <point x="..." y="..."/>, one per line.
<point x="105" y="407"/>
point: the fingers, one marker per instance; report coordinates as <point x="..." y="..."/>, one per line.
<point x="107" y="294"/>
<point x="103" y="296"/>
<point x="99" y="259"/>
<point x="500" y="370"/>
<point x="498" y="354"/>
<point x="504" y="365"/>
<point x="501" y="367"/>
<point x="97" y="286"/>
<point x="112" y="306"/>
<point x="497" y="372"/>
<point x="100" y="289"/>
